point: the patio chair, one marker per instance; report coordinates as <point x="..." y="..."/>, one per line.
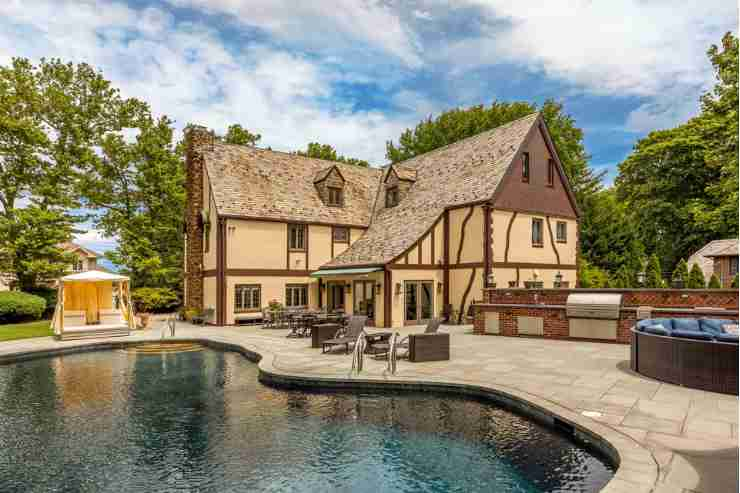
<point x="354" y="329"/>
<point x="384" y="347"/>
<point x="203" y="317"/>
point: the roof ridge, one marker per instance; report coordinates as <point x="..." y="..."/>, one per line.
<point x="534" y="113"/>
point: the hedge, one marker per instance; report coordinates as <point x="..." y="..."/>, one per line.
<point x="16" y="306"/>
<point x="155" y="300"/>
<point x="50" y="295"/>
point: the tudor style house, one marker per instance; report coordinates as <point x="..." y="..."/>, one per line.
<point x="401" y="244"/>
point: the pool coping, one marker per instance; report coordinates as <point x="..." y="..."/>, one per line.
<point x="636" y="470"/>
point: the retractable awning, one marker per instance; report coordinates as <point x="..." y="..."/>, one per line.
<point x="345" y="272"/>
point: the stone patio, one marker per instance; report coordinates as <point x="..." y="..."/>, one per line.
<point x="670" y="439"/>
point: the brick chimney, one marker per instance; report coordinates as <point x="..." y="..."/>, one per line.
<point x="198" y="139"/>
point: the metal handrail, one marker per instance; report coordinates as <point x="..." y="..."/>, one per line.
<point x="359" y="352"/>
<point x="392" y="352"/>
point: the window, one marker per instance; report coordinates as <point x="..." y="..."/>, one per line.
<point x="247" y="297"/>
<point x="733" y="266"/>
<point x="335" y="196"/>
<point x="525" y="167"/>
<point x="296" y="236"/>
<point x="341" y="235"/>
<point x="77" y="266"/>
<point x="296" y="295"/>
<point x="391" y="197"/>
<point x="536" y="232"/>
<point x="561" y="232"/>
<point x="550" y="173"/>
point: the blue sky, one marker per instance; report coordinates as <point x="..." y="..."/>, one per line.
<point x="355" y="73"/>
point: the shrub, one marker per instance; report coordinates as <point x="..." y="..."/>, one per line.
<point x="50" y="296"/>
<point x="681" y="272"/>
<point x="16" y="306"/>
<point x="734" y="282"/>
<point x="714" y="282"/>
<point x="696" y="278"/>
<point x="154" y="300"/>
<point x="653" y="277"/>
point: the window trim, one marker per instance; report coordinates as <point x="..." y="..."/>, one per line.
<point x="391" y="192"/>
<point x="288" y="300"/>
<point x="334" y="234"/>
<point x="290" y="237"/>
<point x="339" y="195"/>
<point x="250" y="288"/>
<point x="525" y="167"/>
<point x="551" y="172"/>
<point x="539" y="221"/>
<point x="564" y="239"/>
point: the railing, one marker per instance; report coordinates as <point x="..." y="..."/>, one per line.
<point x="169" y="324"/>
<point x="392" y="352"/>
<point x="359" y="352"/>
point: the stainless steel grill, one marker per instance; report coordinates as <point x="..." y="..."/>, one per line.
<point x="594" y="305"/>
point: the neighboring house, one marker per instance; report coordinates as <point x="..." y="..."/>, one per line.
<point x="85" y="260"/>
<point x="397" y="244"/>
<point x="718" y="257"/>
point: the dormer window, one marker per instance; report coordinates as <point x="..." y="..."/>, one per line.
<point x="391" y="197"/>
<point x="335" y="197"/>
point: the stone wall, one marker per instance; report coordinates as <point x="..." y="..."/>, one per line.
<point x="549" y="304"/>
<point x="198" y="139"/>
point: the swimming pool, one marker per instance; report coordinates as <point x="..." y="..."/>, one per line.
<point x="199" y="420"/>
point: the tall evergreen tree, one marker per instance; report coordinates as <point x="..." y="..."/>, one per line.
<point x="653" y="273"/>
<point x="681" y="272"/>
<point x="696" y="278"/>
<point x="714" y="282"/>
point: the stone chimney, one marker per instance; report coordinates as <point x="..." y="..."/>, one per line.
<point x="198" y="139"/>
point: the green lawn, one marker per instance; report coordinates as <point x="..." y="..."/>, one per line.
<point x="41" y="328"/>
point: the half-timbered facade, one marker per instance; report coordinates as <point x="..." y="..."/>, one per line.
<point x="401" y="244"/>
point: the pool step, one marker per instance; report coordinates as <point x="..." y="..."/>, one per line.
<point x="92" y="334"/>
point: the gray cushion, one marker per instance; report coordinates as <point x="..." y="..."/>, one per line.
<point x="714" y="325"/>
<point x="692" y="334"/>
<point x="688" y="324"/>
<point x="726" y="338"/>
<point x="657" y="329"/>
<point x="641" y="324"/>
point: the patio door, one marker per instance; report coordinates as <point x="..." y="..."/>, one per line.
<point x="419" y="302"/>
<point x="335" y="296"/>
<point x="364" y="300"/>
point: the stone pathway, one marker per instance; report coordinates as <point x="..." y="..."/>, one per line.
<point x="670" y="439"/>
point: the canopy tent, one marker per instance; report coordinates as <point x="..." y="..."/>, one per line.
<point x="93" y="301"/>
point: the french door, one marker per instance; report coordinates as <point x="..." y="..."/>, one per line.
<point x="364" y="300"/>
<point x="335" y="295"/>
<point x="419" y="302"/>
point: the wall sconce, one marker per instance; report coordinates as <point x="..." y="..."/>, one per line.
<point x="398" y="288"/>
<point x="439" y="287"/>
<point x="349" y="287"/>
<point x="558" y="279"/>
<point x="378" y="286"/>
<point x="490" y="281"/>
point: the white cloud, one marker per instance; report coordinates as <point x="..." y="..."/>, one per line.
<point x="95" y="240"/>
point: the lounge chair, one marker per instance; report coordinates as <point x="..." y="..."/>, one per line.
<point x="384" y="347"/>
<point x="354" y="329"/>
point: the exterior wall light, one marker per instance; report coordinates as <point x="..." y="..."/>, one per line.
<point x="491" y="280"/>
<point x="558" y="279"/>
<point x="398" y="288"/>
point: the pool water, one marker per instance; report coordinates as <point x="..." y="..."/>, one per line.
<point x="201" y="421"/>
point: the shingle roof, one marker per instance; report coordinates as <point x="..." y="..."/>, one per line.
<point x="464" y="172"/>
<point x="259" y="183"/>
<point x="703" y="256"/>
<point x="69" y="246"/>
<point x="404" y="172"/>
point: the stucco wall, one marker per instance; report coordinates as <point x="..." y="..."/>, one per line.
<point x="257" y="245"/>
<point x="398" y="300"/>
<point x="209" y="257"/>
<point x="520" y="239"/>
<point x="459" y="279"/>
<point x="272" y="288"/>
<point x="319" y="246"/>
<point x="504" y="275"/>
<point x="209" y="292"/>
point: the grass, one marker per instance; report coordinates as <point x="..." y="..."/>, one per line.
<point x="9" y="332"/>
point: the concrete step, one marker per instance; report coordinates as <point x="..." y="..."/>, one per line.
<point x="92" y="334"/>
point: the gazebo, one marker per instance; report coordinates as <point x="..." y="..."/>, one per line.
<point x="93" y="304"/>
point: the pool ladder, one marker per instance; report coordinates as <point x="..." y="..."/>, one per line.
<point x="358" y="355"/>
<point x="168" y="326"/>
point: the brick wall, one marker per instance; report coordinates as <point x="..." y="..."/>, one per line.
<point x="556" y="325"/>
<point x="198" y="139"/>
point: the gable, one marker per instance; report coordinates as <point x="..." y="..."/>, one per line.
<point x="536" y="195"/>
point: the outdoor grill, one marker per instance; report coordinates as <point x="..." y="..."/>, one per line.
<point x="593" y="315"/>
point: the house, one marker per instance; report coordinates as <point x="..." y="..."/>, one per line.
<point x="85" y="259"/>
<point x="719" y="257"/>
<point x="399" y="244"/>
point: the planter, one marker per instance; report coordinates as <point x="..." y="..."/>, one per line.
<point x="677" y="284"/>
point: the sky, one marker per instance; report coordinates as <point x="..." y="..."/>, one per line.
<point x="356" y="73"/>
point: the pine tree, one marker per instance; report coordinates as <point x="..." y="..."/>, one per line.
<point x="653" y="276"/>
<point x="681" y="272"/>
<point x="734" y="282"/>
<point x="696" y="278"/>
<point x="714" y="282"/>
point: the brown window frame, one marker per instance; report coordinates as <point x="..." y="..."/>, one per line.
<point x="289" y="297"/>
<point x="340" y="238"/>
<point x="525" y="167"/>
<point x="302" y="246"/>
<point x="535" y="243"/>
<point x="564" y="238"/>
<point x="391" y="196"/>
<point x="550" y="172"/>
<point x="249" y="288"/>
<point x="335" y="193"/>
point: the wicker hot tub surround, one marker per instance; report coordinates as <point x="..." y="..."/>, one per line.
<point x="706" y="363"/>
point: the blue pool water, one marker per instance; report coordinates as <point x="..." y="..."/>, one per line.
<point x="200" y="421"/>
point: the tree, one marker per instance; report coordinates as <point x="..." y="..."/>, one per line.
<point x="53" y="117"/>
<point x="681" y="272"/>
<point x="139" y="189"/>
<point x="590" y="276"/>
<point x="696" y="278"/>
<point x="236" y="134"/>
<point x="734" y="282"/>
<point x="623" y="278"/>
<point x="327" y="152"/>
<point x="714" y="282"/>
<point x="653" y="273"/>
<point x="680" y="185"/>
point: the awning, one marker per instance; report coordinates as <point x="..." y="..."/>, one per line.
<point x="345" y="272"/>
<point x="94" y="275"/>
